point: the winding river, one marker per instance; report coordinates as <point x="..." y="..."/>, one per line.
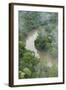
<point x="42" y="55"/>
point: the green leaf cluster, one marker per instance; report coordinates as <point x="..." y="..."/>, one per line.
<point x="27" y="62"/>
<point x="47" y="39"/>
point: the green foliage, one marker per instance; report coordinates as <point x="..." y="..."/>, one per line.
<point x="27" y="62"/>
<point x="27" y="72"/>
<point x="43" y="42"/>
<point x="53" y="51"/>
<point x="47" y="71"/>
<point x="21" y="74"/>
<point x="47" y="36"/>
<point x="47" y="23"/>
<point x="21" y="48"/>
<point x="28" y="21"/>
<point x="53" y="71"/>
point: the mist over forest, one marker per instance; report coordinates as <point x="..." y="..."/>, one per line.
<point x="39" y="29"/>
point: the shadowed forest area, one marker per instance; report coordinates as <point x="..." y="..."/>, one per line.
<point x="38" y="44"/>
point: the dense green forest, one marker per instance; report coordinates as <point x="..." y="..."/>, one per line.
<point x="31" y="66"/>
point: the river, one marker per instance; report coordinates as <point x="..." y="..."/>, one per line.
<point x="42" y="55"/>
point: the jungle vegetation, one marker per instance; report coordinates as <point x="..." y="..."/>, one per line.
<point x="47" y="24"/>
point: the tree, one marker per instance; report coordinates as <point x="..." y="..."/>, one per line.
<point x="28" y="20"/>
<point x="27" y="62"/>
<point x="47" y="35"/>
